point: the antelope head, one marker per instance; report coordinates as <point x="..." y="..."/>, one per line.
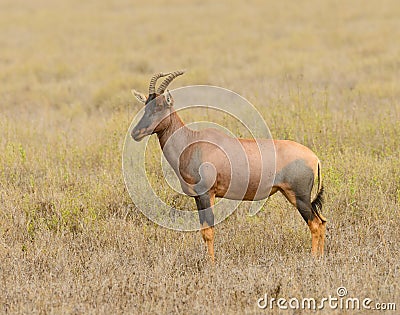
<point x="157" y="106"/>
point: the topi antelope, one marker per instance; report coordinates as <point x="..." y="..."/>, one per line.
<point x="212" y="164"/>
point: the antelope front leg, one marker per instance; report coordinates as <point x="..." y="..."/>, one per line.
<point x="205" y="205"/>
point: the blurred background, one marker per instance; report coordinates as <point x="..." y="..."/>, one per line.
<point x="325" y="74"/>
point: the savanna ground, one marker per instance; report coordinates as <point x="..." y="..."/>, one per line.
<point x="323" y="73"/>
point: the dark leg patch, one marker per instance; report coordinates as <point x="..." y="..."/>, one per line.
<point x="304" y="206"/>
<point x="298" y="176"/>
<point x="206" y="215"/>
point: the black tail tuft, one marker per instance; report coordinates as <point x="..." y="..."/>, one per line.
<point x="316" y="204"/>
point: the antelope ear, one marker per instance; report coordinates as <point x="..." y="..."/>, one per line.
<point x="141" y="97"/>
<point x="169" y="99"/>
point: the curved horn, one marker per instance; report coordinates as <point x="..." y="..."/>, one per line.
<point x="168" y="80"/>
<point x="154" y="78"/>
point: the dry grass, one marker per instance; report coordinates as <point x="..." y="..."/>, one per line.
<point x="322" y="73"/>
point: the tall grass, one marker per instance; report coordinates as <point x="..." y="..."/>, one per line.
<point x="324" y="74"/>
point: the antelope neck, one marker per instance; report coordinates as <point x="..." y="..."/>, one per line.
<point x="175" y="123"/>
<point x="174" y="138"/>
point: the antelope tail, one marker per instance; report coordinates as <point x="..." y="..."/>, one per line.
<point x="316" y="204"/>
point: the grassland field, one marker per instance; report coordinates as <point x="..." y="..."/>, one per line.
<point x="323" y="73"/>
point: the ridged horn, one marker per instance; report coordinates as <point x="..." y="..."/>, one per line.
<point x="154" y="78"/>
<point x="168" y="80"/>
